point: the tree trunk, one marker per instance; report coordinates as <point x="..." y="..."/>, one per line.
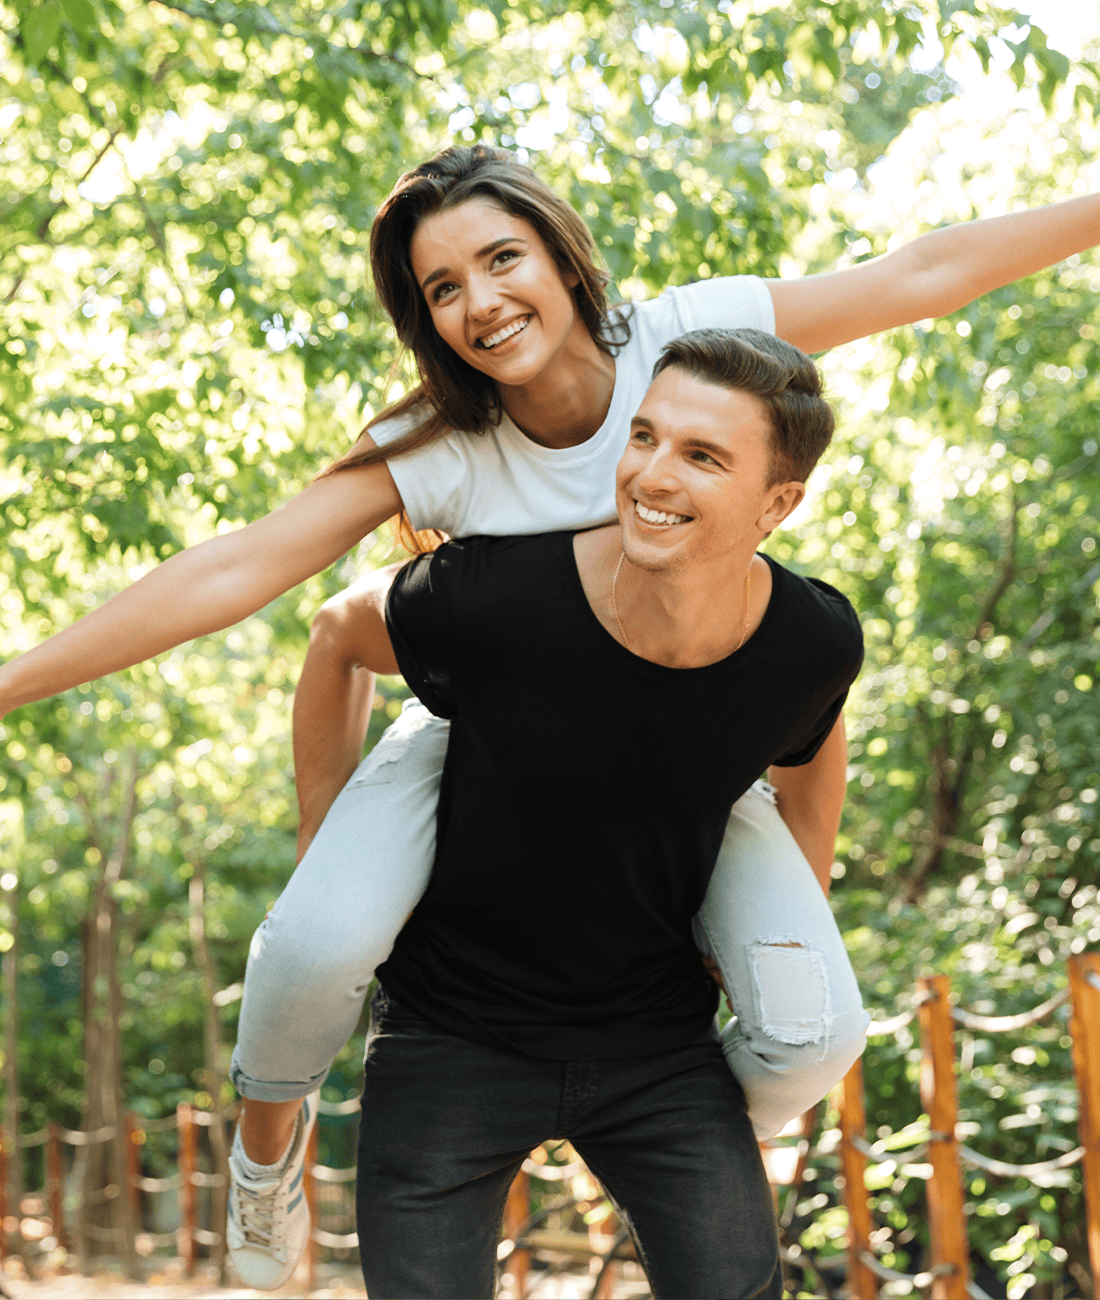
<point x="14" y="1162"/>
<point x="107" y="1215"/>
<point x="211" y="1044"/>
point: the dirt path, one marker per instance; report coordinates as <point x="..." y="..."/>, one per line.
<point x="169" y="1282"/>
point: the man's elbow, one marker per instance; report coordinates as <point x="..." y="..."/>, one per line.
<point x="333" y="633"/>
<point x="350" y="630"/>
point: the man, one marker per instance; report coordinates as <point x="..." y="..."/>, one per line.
<point x="611" y="693"/>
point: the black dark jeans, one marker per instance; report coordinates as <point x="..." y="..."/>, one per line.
<point x="447" y="1123"/>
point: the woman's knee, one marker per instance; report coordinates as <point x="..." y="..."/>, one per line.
<point x="807" y="1007"/>
<point x="297" y="956"/>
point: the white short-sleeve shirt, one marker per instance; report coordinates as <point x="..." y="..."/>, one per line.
<point x="501" y="483"/>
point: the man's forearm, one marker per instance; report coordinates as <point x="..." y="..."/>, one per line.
<point x="811" y="799"/>
<point x="332" y="708"/>
<point x="348" y="644"/>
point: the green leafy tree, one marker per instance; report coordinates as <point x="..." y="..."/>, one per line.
<point x="188" y="336"/>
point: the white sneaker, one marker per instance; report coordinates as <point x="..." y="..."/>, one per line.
<point x="268" y="1223"/>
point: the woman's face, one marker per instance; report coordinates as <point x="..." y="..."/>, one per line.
<point x="495" y="293"/>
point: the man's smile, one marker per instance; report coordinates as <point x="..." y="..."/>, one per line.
<point x="661" y="517"/>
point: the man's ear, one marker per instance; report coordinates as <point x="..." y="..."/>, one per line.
<point x="781" y="500"/>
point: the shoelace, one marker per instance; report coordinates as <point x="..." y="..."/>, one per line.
<point x="257" y="1209"/>
<point x="257" y="1204"/>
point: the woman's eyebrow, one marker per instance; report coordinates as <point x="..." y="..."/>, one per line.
<point x="481" y="252"/>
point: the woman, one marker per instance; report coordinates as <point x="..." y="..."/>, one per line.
<point x="490" y="280"/>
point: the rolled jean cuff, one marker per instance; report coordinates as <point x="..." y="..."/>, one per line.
<point x="271" y="1090"/>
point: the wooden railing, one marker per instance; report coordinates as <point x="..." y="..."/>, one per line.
<point x="948" y="1274"/>
<point x="940" y="1154"/>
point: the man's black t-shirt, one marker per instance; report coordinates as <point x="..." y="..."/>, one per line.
<point x="585" y="794"/>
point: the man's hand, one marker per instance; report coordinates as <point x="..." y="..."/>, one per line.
<point x="715" y="972"/>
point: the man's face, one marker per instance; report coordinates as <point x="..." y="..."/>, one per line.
<point x="692" y="485"/>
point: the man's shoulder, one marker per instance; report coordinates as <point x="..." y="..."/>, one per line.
<point x="819" y="608"/>
<point x="481" y="565"/>
<point x="482" y="549"/>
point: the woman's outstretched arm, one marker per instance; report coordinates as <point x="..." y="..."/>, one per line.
<point x="348" y="644"/>
<point x="208" y="587"/>
<point x="932" y="276"/>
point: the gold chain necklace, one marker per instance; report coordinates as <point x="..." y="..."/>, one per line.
<point x="622" y="630"/>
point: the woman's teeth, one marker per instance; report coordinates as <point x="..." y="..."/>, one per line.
<point x="506" y="333"/>
<point x="658" y="516"/>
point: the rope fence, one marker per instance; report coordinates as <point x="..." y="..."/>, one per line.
<point x="948" y="1276"/>
<point x="928" y="1150"/>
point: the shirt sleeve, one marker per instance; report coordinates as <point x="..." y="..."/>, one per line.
<point x="726" y="302"/>
<point x="418" y="616"/>
<point x="434" y="481"/>
<point x="805" y="753"/>
<point x="840" y="642"/>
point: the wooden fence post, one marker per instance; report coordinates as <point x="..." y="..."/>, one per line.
<point x="3" y="1197"/>
<point x="853" y="1123"/>
<point x="55" y="1182"/>
<point x="1084" y="1026"/>
<point x="946" y="1216"/>
<point x="313" y="1250"/>
<point x="186" y="1122"/>
<point x="134" y="1137"/>
<point x="517" y="1208"/>
<point x="601" y="1233"/>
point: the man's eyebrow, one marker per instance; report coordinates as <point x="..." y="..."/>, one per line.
<point x="715" y="449"/>
<point x="492" y="247"/>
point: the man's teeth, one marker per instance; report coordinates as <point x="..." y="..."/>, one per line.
<point x="658" y="516"/>
<point x="506" y="333"/>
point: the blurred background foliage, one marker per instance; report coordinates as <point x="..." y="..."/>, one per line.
<point x="188" y="335"/>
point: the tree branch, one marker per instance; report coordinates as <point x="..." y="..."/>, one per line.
<point x="44" y="225"/>
<point x="264" y="22"/>
<point x="1007" y="572"/>
<point x="1036" y="630"/>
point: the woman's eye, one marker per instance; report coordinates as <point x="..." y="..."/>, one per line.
<point x="505" y="255"/>
<point x="442" y="291"/>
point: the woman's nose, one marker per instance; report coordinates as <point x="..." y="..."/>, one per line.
<point x="483" y="297"/>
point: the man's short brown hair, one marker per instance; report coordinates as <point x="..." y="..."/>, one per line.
<point x="782" y="376"/>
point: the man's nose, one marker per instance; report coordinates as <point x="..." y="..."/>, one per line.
<point x="658" y="474"/>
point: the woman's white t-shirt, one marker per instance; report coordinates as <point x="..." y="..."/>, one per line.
<point x="501" y="483"/>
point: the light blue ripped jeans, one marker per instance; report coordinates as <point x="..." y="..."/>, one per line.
<point x="799" y="1022"/>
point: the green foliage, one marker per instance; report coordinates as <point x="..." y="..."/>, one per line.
<point x="188" y="335"/>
